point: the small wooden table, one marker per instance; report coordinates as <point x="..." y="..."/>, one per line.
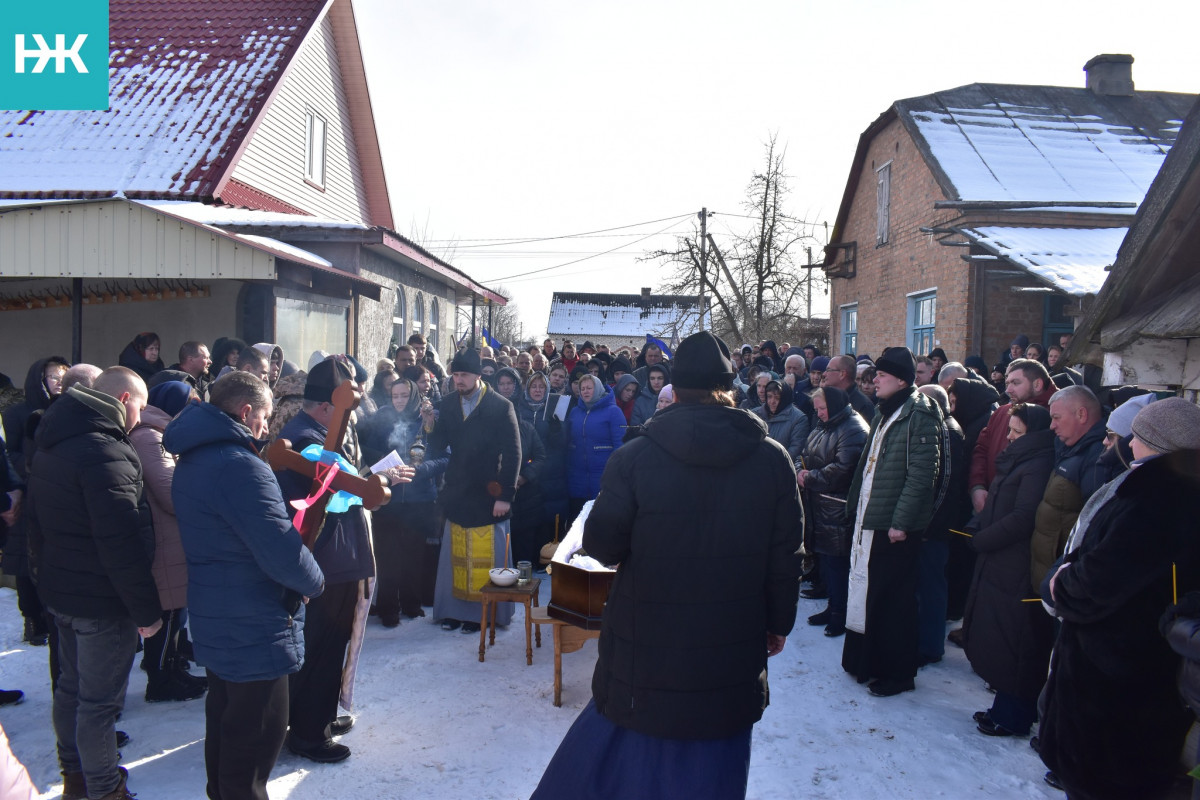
<point x="493" y="594"/>
<point x="567" y="639"/>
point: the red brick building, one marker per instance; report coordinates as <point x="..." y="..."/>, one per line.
<point x="990" y="210"/>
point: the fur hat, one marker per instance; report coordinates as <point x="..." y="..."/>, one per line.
<point x="702" y="362"/>
<point x="467" y="361"/>
<point x="1168" y="425"/>
<point x="324" y="378"/>
<point x="899" y="363"/>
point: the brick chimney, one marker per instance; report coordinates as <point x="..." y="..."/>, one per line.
<point x="1110" y="74"/>
<point x="645" y="292"/>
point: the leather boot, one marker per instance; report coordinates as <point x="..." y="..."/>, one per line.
<point x="74" y="786"/>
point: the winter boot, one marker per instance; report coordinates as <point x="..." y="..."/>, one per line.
<point x="74" y="786"/>
<point x="122" y="791"/>
<point x="173" y="688"/>
<point x="35" y="633"/>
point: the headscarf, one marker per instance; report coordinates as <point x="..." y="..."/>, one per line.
<point x="413" y="408"/>
<point x="835" y="400"/>
<point x="600" y="391"/>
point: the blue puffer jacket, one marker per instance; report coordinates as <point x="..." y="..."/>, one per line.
<point x="246" y="565"/>
<point x="593" y="433"/>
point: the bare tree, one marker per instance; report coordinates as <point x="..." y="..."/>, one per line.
<point x="757" y="285"/>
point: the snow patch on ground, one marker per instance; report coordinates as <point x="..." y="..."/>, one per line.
<point x="434" y="722"/>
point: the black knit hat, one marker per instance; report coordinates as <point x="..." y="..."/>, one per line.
<point x="466" y="361"/>
<point x="323" y="378"/>
<point x="899" y="363"/>
<point x="702" y="362"/>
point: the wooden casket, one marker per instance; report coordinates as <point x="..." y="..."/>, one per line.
<point x="577" y="596"/>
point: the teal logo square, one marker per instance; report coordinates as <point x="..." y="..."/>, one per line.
<point x="54" y="55"/>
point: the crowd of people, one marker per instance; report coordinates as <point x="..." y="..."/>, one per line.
<point x="1050" y="517"/>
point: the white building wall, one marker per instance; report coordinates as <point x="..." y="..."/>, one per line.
<point x="274" y="160"/>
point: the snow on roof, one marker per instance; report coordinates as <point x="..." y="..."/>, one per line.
<point x="598" y="314"/>
<point x="228" y="217"/>
<point x="186" y="80"/>
<point x="1046" y="143"/>
<point x="284" y="249"/>
<point x="1073" y="260"/>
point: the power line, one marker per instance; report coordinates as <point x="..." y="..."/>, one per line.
<point x="506" y="241"/>
<point x="676" y="221"/>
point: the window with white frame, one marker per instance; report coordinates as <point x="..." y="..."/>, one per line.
<point x="922" y="318"/>
<point x="398" y="335"/>
<point x="850" y="328"/>
<point x="883" y="203"/>
<point x="434" y="318"/>
<point x="315" y="128"/>
<point x="419" y="314"/>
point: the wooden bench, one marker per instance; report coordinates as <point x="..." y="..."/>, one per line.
<point x="567" y="639"/>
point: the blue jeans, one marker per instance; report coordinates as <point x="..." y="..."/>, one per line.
<point x="95" y="656"/>
<point x="931" y="599"/>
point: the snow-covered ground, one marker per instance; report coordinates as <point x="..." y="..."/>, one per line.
<point x="433" y="722"/>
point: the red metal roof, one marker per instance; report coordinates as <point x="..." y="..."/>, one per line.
<point x="186" y="78"/>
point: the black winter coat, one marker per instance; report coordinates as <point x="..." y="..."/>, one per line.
<point x="831" y="456"/>
<point x="954" y="509"/>
<point x="20" y="424"/>
<point x="1008" y="641"/>
<point x="553" y="474"/>
<point x="974" y="402"/>
<point x="677" y="661"/>
<point x="89" y="520"/>
<point x="1114" y="724"/>
<point x="485" y="457"/>
<point x="527" y="504"/>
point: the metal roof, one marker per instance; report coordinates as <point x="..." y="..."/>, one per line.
<point x="1072" y="260"/>
<point x="1044" y="143"/>
<point x="186" y="81"/>
<point x="635" y="315"/>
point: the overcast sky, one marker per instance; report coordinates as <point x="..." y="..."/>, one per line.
<point x="532" y="120"/>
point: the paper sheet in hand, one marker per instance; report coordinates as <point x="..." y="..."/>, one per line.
<point x="390" y="461"/>
<point x="560" y="410"/>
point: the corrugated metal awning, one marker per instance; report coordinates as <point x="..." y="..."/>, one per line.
<point x="115" y="238"/>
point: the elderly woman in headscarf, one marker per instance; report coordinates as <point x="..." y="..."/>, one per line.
<point x="825" y="474"/>
<point x="595" y="428"/>
<point x="786" y="424"/>
<point x="142" y="355"/>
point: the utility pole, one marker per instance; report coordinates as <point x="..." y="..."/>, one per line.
<point x="703" y="260"/>
<point x="808" y="319"/>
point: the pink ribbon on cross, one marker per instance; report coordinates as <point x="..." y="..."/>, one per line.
<point x="324" y="474"/>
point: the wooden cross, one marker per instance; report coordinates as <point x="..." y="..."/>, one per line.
<point x="374" y="490"/>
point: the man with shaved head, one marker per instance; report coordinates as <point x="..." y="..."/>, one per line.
<point x="94" y="539"/>
<point x="81" y="375"/>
